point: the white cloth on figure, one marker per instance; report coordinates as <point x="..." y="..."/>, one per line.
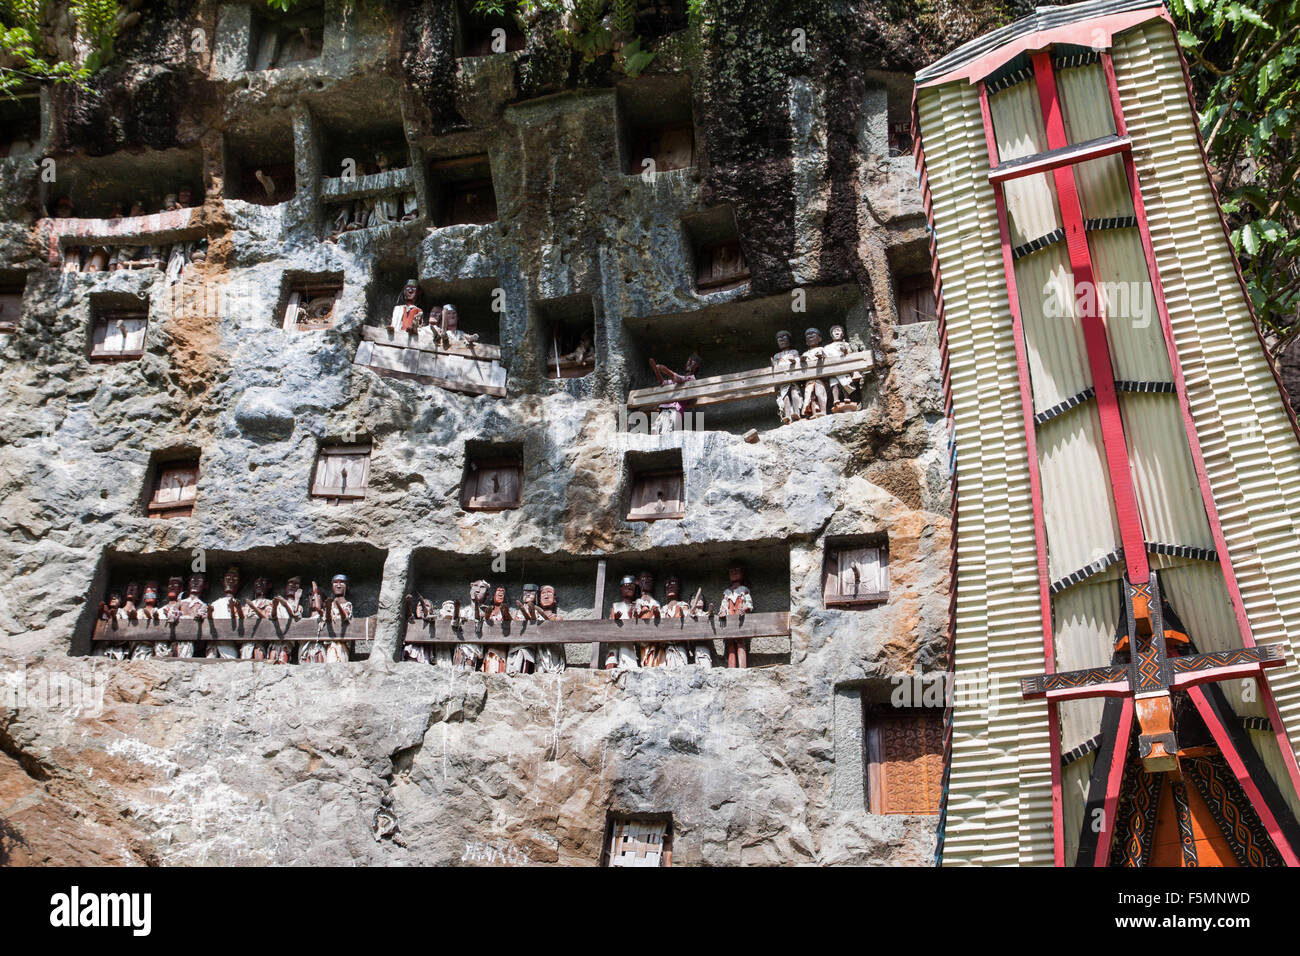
<point x="550" y="658"/>
<point x="849" y="381"/>
<point x="621" y="655"/>
<point x="787" y="360"/>
<point x="520" y="655"/>
<point x="675" y="655"/>
<point x="223" y="609"/>
<point x="736" y="600"/>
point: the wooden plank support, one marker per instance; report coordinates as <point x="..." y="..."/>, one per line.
<point x="739" y="386"/>
<point x="600" y="610"/>
<point x="454" y="372"/>
<point x="664" y="631"/>
<point x="1058" y="157"/>
<point x="252" y="628"/>
<point x="423" y="340"/>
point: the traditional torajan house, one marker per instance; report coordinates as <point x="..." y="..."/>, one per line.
<point x="1125" y="463"/>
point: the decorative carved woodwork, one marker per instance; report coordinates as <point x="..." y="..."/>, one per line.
<point x="656" y="495"/>
<point x="916" y="299"/>
<point x="493" y="484"/>
<point x="473" y="368"/>
<point x="741" y="386"/>
<point x="312" y="305"/>
<point x="664" y="631"/>
<point x="640" y="843"/>
<point x="118" y="334"/>
<point x="905" y="760"/>
<point x="342" y="472"/>
<point x="855" y="576"/>
<point x="175" y="488"/>
<point x="721" y="266"/>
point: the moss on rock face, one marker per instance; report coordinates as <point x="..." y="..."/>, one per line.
<point x="141" y="100"/>
<point x="428" y="61"/>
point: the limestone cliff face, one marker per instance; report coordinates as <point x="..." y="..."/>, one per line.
<point x="168" y="762"/>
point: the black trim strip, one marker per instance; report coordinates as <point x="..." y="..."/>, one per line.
<point x="1071" y="60"/>
<point x="1042" y="242"/>
<point x="1128" y="385"/>
<point x="1257" y="723"/>
<point x="1081" y="751"/>
<point x="1113" y="222"/>
<point x="1085" y="572"/>
<point x="1010" y="80"/>
<point x="1060" y="408"/>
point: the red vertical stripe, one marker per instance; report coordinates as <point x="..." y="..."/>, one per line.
<point x="1094" y="332"/>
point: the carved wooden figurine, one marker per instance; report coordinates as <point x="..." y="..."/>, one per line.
<point x="229" y="611"/>
<point x="814" y="392"/>
<point x="259" y="617"/>
<point x="550" y="657"/>
<point x="674" y="608"/>
<point x="622" y="655"/>
<point x="789" y="397"/>
<point x="285" y="610"/>
<point x="194" y="611"/>
<point x="407" y="314"/>
<point x="494" y="658"/>
<point x="112" y="613"/>
<point x="469" y="656"/>
<point x="338" y="613"/>
<point x="150" y="613"/>
<point x="450" y="332"/>
<point x="842" y="386"/>
<point x="171" y="613"/>
<point x="670" y="413"/>
<point x="313" y="652"/>
<point x="736" y="600"/>
<point x="647" y="608"/>
<point x="522" y="658"/>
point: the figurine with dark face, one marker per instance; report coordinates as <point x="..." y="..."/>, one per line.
<point x="622" y="655"/>
<point x="550" y="657"/>
<point x="842" y="386"/>
<point x="131" y="602"/>
<point x="285" y="611"/>
<point x="736" y="600"/>
<point x="814" y="392"/>
<point x="111" y="612"/>
<point x="789" y="397"/>
<point x="494" y="661"/>
<point x="258" y="611"/>
<point x="226" y="613"/>
<point x="647" y="608"/>
<point x="171" y="615"/>
<point x="340" y="613"/>
<point x="674" y="608"/>
<point x="194" y="611"/>
<point x="407" y="314"/>
<point x="670" y="417"/>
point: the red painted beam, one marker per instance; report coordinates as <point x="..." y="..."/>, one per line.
<point x="1094" y="332"/>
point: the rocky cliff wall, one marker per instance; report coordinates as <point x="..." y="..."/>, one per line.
<point x="241" y="762"/>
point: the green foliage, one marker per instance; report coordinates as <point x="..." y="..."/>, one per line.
<point x="1245" y="60"/>
<point x="23" y="42"/>
<point x="600" y="27"/>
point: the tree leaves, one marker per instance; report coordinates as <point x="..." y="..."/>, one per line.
<point x="1245" y="62"/>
